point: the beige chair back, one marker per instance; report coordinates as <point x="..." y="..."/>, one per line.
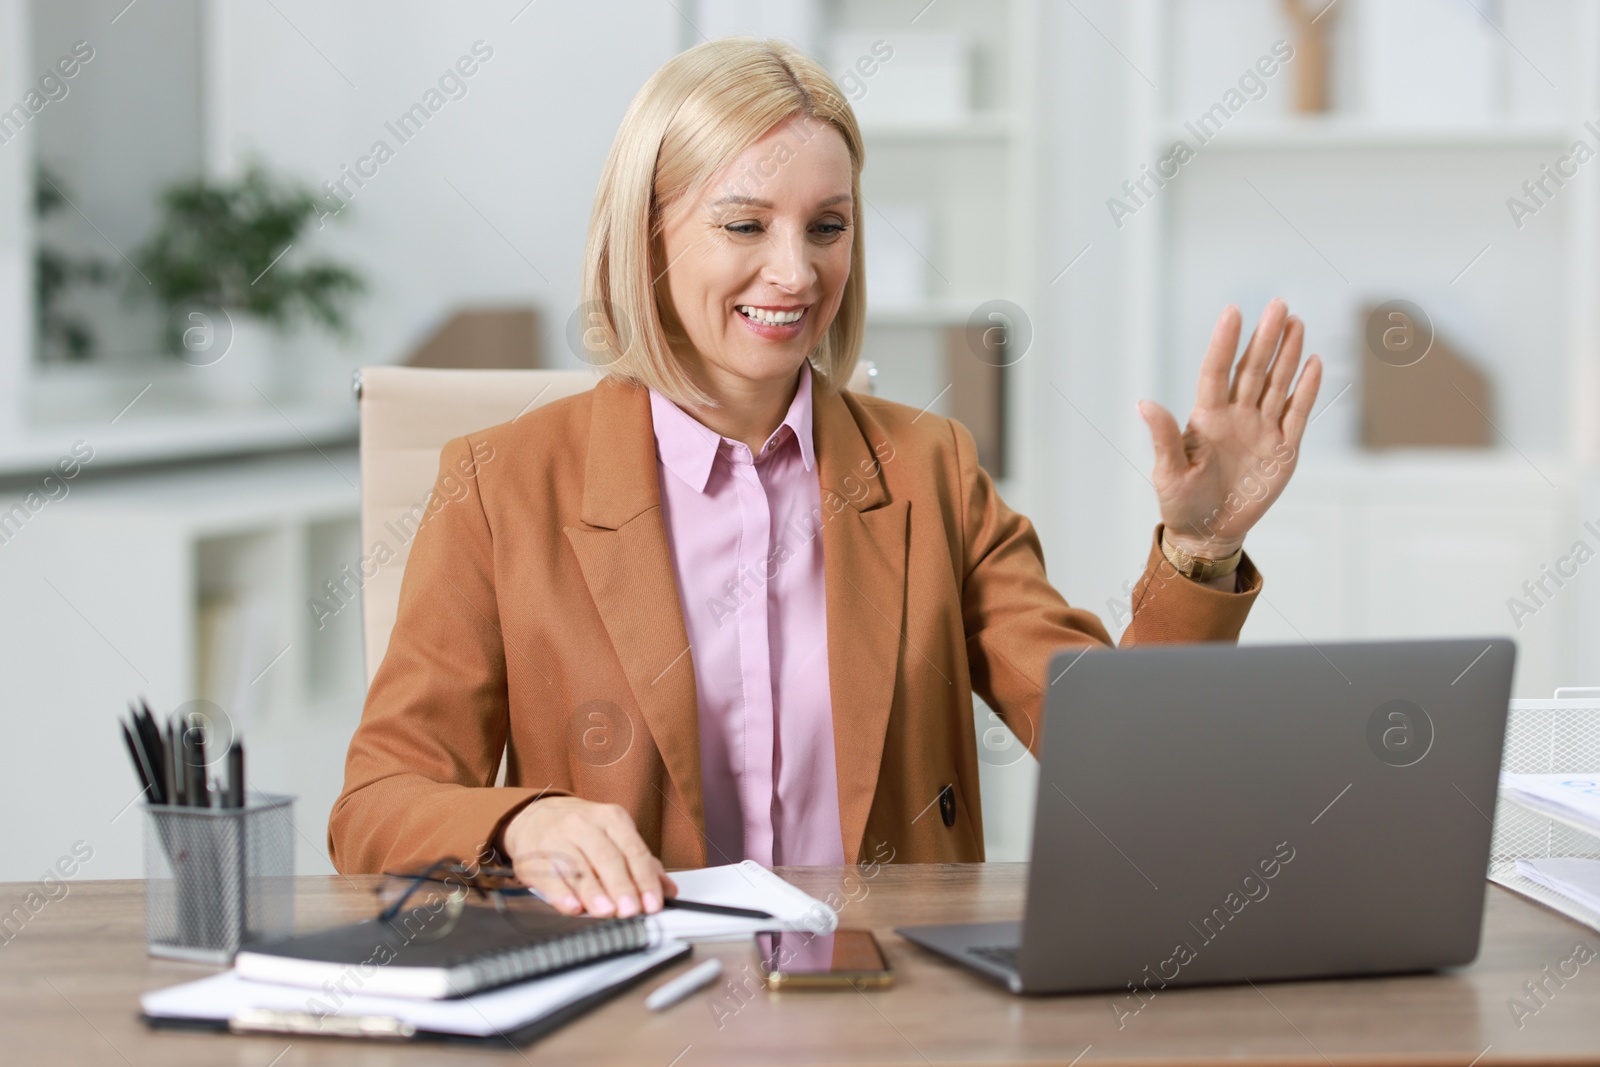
<point x="407" y="415"/>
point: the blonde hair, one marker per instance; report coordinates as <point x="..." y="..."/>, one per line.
<point x="695" y="116"/>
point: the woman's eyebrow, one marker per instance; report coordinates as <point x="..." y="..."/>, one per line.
<point x="751" y="201"/>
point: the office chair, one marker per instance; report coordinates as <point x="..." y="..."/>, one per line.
<point x="407" y="415"/>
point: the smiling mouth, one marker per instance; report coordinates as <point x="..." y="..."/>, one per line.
<point x="772" y="318"/>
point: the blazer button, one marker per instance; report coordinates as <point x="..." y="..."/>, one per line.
<point x="947" y="805"/>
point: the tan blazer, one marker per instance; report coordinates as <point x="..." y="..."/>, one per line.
<point x="539" y="611"/>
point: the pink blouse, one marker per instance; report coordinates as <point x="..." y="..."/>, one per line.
<point x="744" y="533"/>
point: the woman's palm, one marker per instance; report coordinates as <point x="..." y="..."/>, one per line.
<point x="1217" y="477"/>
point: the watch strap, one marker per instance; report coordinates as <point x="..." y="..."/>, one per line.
<point x="1199" y="568"/>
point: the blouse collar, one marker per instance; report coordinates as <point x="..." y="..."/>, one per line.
<point x="688" y="447"/>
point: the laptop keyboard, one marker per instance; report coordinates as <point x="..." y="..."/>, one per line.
<point x="1004" y="955"/>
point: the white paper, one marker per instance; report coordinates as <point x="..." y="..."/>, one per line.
<point x="224" y="995"/>
<point x="1570" y="796"/>
<point x="740" y="885"/>
<point x="1576" y="879"/>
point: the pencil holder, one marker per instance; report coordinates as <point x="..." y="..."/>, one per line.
<point x="218" y="878"/>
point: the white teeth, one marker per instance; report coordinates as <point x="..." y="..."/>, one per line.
<point x="770" y="318"/>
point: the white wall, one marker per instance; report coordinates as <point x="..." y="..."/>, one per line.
<point x="490" y="202"/>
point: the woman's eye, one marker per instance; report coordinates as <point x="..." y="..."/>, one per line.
<point x="745" y="229"/>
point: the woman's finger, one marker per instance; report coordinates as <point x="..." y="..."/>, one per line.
<point x="553" y="875"/>
<point x="646" y="871"/>
<point x="1281" y="376"/>
<point x="1258" y="354"/>
<point x="616" y="893"/>
<point x="1301" y="401"/>
<point x="1171" y="459"/>
<point x="643" y="867"/>
<point x="1218" y="361"/>
<point x="586" y="883"/>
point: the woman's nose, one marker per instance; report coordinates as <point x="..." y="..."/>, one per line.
<point x="789" y="265"/>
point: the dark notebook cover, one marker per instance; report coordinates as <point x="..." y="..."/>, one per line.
<point x="425" y="955"/>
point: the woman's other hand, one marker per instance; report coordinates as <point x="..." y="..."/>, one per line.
<point x="581" y="855"/>
<point x="1218" y="476"/>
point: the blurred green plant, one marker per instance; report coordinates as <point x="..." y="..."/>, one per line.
<point x="63" y="335"/>
<point x="226" y="243"/>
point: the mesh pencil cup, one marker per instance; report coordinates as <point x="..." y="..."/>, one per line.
<point x="218" y="878"/>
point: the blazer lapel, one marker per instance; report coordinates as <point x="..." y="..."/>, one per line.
<point x="627" y="566"/>
<point x="864" y="549"/>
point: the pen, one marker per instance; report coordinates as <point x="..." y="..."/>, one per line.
<point x="714" y="909"/>
<point x="674" y="902"/>
<point x="673" y="990"/>
<point x="175" y="763"/>
<point x="148" y="737"/>
<point x="202" y="779"/>
<point x="138" y="760"/>
<point x="235" y="795"/>
<point x="169" y="746"/>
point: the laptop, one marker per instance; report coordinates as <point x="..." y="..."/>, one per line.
<point x="1215" y="813"/>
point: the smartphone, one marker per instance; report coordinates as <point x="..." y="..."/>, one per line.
<point x="800" y="959"/>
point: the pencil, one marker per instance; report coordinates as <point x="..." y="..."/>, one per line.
<point x="139" y="767"/>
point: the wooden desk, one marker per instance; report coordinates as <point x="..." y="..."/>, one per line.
<point x="69" y="983"/>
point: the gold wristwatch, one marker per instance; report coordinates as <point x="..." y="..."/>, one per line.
<point x="1199" y="568"/>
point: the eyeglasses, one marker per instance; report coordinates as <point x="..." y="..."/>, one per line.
<point x="428" y="902"/>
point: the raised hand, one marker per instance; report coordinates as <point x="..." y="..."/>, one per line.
<point x="1217" y="477"/>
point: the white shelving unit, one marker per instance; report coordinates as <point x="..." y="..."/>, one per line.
<point x="120" y="566"/>
<point x="204" y="488"/>
<point x="194" y="435"/>
<point x="978" y="177"/>
<point x="1332" y="210"/>
<point x="1347" y="134"/>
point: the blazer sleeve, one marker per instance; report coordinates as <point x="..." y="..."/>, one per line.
<point x="1015" y="620"/>
<point x="420" y="771"/>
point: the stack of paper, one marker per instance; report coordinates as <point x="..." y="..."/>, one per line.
<point x="1576" y="879"/>
<point x="1572" y="798"/>
<point x="512" y="1011"/>
<point x="740" y="885"/>
<point x="519" y="1011"/>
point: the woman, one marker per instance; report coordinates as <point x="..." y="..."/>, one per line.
<point x="716" y="608"/>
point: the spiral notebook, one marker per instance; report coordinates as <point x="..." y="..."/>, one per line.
<point x="517" y="1013"/>
<point x="413" y="956"/>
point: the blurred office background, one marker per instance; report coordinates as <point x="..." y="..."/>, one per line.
<point x="184" y="526"/>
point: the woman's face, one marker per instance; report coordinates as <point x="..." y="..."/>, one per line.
<point x="769" y="234"/>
